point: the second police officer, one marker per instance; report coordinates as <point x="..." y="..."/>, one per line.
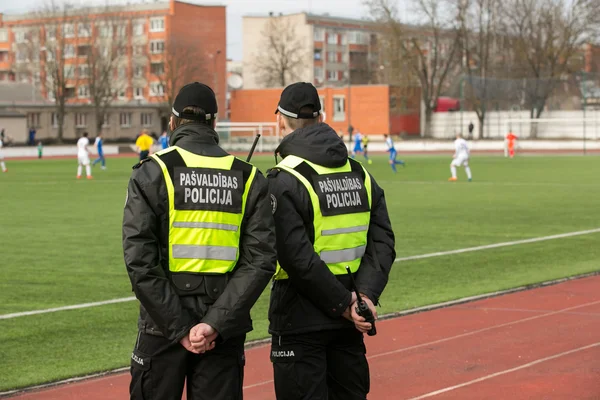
<point x="329" y="213"/>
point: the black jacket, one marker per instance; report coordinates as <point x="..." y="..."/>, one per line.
<point x="224" y="302"/>
<point x="313" y="299"/>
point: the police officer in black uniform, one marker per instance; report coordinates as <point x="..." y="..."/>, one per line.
<point x="329" y="212"/>
<point x="199" y="247"/>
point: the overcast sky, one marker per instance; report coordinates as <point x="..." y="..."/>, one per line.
<point x="236" y="9"/>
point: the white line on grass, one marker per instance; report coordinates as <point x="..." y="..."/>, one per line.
<point x="479" y="183"/>
<point x="507" y="371"/>
<point x="417" y="257"/>
<point x="496" y="245"/>
<point x="73" y="307"/>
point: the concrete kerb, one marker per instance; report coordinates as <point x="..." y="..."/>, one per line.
<point x="261" y="342"/>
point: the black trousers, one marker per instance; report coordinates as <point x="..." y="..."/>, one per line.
<point x="327" y="365"/>
<point x="160" y="368"/>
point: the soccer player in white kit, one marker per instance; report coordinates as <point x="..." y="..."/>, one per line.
<point x="461" y="157"/>
<point x="83" y="156"/>
<point x="2" y="165"/>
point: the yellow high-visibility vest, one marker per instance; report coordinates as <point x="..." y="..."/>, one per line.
<point x="341" y="201"/>
<point x="207" y="202"/>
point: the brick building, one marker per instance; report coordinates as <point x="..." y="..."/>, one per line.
<point x="143" y="75"/>
<point x="331" y="48"/>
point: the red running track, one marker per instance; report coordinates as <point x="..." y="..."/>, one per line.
<point x="538" y="344"/>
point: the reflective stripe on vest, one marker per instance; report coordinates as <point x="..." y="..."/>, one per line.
<point x="207" y="202"/>
<point x="341" y="202"/>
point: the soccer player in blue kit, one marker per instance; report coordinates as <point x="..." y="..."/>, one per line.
<point x="393" y="153"/>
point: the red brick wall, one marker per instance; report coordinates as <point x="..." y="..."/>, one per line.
<point x="369" y="106"/>
<point x="206" y="26"/>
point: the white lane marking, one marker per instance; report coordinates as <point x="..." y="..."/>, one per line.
<point x="507" y="371"/>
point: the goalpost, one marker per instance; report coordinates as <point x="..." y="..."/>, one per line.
<point x="569" y="130"/>
<point x="238" y="136"/>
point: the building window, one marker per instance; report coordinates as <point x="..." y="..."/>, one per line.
<point x="21" y="56"/>
<point x="138" y="50"/>
<point x="125" y="119"/>
<point x="332" y="75"/>
<point x="332" y="38"/>
<point x="146" y="119"/>
<point x="331" y="56"/>
<point x="339" y="108"/>
<point x="322" y="100"/>
<point x="3" y="35"/>
<point x="54" y="119"/>
<point x="105" y="30"/>
<point x="19" y="36"/>
<point x="157" y="24"/>
<point x="343" y="38"/>
<point x="122" y="51"/>
<point x="68" y="30"/>
<point x="358" y="38"/>
<point x="80" y="120"/>
<point x="51" y="96"/>
<point x="157" y="68"/>
<point x="70" y="92"/>
<point x="122" y="30"/>
<point x="83" y="92"/>
<point x="106" y="120"/>
<point x="69" y="51"/>
<point x="50" y="33"/>
<point x="157" y="89"/>
<point x="49" y="56"/>
<point x="84" y="30"/>
<point x="122" y="94"/>
<point x="69" y="72"/>
<point x="319" y="35"/>
<point x="138" y="72"/>
<point x="33" y="120"/>
<point x="319" y="74"/>
<point x="157" y="46"/>
<point x="84" y="51"/>
<point x="122" y="73"/>
<point x="318" y="54"/>
<point x="83" y="71"/>
<point x="138" y="29"/>
<point x="138" y="93"/>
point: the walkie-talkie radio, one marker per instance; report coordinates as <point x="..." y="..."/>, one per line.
<point x="362" y="308"/>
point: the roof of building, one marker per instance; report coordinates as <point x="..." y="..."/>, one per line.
<point x="338" y="20"/>
<point x="324" y="18"/>
<point x="21" y="93"/>
<point x="75" y="11"/>
<point x="11" y="114"/>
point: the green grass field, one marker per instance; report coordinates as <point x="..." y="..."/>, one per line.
<point x="60" y="244"/>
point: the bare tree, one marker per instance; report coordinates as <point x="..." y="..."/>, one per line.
<point x="280" y="54"/>
<point x="428" y="51"/>
<point x="184" y="62"/>
<point x="59" y="59"/>
<point x="103" y="57"/>
<point x="547" y="36"/>
<point x="479" y="33"/>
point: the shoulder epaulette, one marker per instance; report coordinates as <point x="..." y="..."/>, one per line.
<point x="139" y="164"/>
<point x="272" y="172"/>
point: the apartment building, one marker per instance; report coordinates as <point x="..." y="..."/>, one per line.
<point x="332" y="51"/>
<point x="156" y="48"/>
